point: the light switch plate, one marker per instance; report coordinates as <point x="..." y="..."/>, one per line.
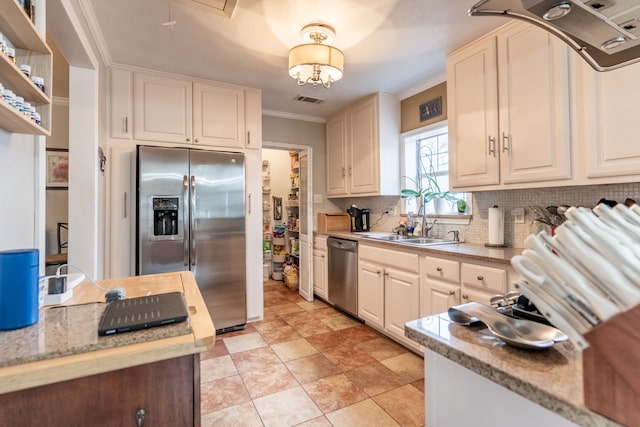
<point x="317" y="198"/>
<point x="518" y="215"/>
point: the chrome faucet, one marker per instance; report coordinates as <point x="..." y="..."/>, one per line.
<point x="456" y="235"/>
<point x="425" y="229"/>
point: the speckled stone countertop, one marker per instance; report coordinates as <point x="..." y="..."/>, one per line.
<point x="67" y="330"/>
<point x="64" y="343"/>
<point x="551" y="378"/>
<point x="470" y="251"/>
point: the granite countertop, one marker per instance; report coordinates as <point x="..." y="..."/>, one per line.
<point x="64" y="343"/>
<point x="68" y="330"/>
<point x="470" y="251"/>
<point x="551" y="378"/>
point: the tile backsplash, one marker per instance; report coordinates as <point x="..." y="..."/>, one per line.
<point x="476" y="231"/>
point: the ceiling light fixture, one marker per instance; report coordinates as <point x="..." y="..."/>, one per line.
<point x="316" y="62"/>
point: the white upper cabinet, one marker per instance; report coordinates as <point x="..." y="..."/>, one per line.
<point x="253" y="118"/>
<point x="607" y="122"/>
<point x="509" y="109"/>
<point x="121" y="85"/>
<point x="472" y="97"/>
<point x="337" y="155"/>
<point x="152" y="106"/>
<point x="218" y="116"/>
<point x="162" y="108"/>
<point x="362" y="141"/>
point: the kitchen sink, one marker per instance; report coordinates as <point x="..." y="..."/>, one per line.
<point x="387" y="237"/>
<point x="427" y="241"/>
<point x="416" y="241"/>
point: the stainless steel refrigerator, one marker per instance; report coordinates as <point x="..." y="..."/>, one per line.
<point x="191" y="216"/>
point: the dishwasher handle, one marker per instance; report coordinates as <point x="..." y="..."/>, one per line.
<point x="342" y="244"/>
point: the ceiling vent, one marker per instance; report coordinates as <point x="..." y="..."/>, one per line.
<point x="302" y="98"/>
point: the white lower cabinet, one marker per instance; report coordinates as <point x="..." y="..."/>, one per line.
<point x="396" y="286"/>
<point x="480" y="282"/>
<point x="448" y="281"/>
<point x="320" y="271"/>
<point x="371" y="293"/>
<point x="442" y="285"/>
<point x="401" y="301"/>
<point x="388" y="290"/>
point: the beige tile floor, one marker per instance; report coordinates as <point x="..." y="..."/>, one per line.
<point x="307" y="364"/>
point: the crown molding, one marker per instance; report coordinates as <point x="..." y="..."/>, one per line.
<point x="94" y="28"/>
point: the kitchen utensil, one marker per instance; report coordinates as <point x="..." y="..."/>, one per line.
<point x="549" y="289"/>
<point x="542" y="214"/>
<point x="616" y="252"/>
<point x="589" y="295"/>
<point x="610" y="279"/>
<point x="558" y="286"/>
<point x="542" y="303"/>
<point x="566" y="254"/>
<point x="612" y="218"/>
<point x="629" y="214"/>
<point x="516" y="332"/>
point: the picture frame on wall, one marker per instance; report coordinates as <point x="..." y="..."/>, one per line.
<point x="431" y="109"/>
<point x="57" y="169"/>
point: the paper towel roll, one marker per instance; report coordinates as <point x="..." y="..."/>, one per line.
<point x="496" y="226"/>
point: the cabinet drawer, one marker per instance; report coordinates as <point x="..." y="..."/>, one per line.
<point x="400" y="260"/>
<point x="483" y="277"/>
<point x="320" y="242"/>
<point x="443" y="269"/>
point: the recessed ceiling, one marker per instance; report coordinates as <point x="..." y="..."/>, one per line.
<point x="396" y="46"/>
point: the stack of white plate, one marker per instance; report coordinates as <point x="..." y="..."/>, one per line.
<point x="588" y="272"/>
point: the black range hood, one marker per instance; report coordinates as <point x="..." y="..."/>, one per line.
<point x="606" y="33"/>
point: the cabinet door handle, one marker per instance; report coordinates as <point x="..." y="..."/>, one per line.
<point x="505" y="142"/>
<point x="439" y="269"/>
<point x="452" y="292"/>
<point x="249" y="137"/>
<point x="343" y="172"/>
<point x="188" y="139"/>
<point x="249" y="203"/>
<point x="465" y="296"/>
<point x="126" y="125"/>
<point x="140" y="417"/>
<point x="125" y="204"/>
<point x="492" y="145"/>
<point x="378" y="271"/>
<point x="349" y="170"/>
<point x="197" y="139"/>
<point x="480" y="277"/>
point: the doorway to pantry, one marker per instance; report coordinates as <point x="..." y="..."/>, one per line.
<point x="286" y="215"/>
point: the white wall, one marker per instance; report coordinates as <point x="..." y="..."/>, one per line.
<point x="19" y="189"/>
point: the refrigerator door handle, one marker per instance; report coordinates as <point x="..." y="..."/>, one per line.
<point x="192" y="211"/>
<point x="185" y="219"/>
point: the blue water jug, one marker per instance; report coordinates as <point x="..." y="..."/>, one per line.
<point x="18" y="288"/>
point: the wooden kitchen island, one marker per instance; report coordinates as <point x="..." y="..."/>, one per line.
<point x="58" y="372"/>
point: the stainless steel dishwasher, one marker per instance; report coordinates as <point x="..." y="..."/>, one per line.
<point x="343" y="274"/>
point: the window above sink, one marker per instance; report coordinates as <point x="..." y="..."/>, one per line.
<point x="425" y="159"/>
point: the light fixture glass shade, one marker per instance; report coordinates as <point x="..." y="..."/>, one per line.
<point x="316" y="63"/>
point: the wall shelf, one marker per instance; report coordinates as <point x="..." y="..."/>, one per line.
<point x="31" y="49"/>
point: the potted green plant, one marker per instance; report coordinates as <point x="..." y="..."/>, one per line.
<point x="425" y="195"/>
